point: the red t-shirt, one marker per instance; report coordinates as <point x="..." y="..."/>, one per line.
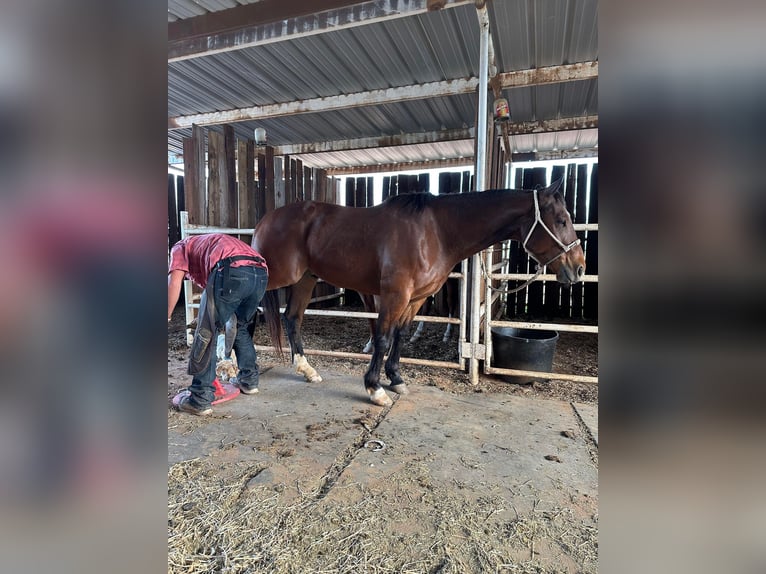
<point x="197" y="255"/>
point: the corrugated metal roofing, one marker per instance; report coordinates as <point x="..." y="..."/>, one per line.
<point x="429" y="47"/>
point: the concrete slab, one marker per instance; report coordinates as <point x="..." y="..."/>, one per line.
<point x="293" y="428"/>
<point x="589" y="416"/>
<point x="517" y="446"/>
<point x="476" y="479"/>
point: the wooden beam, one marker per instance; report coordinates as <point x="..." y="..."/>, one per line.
<point x="271" y="21"/>
<point x="552" y="74"/>
<point x="521" y="128"/>
<point x="407" y="166"/>
<point x="549" y="75"/>
<point x="376" y="142"/>
<point x="330" y="103"/>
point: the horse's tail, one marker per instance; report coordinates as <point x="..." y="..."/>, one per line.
<point x="274" y="321"/>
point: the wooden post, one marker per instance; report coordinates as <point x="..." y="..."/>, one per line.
<point x="248" y="199"/>
<point x="194" y="176"/>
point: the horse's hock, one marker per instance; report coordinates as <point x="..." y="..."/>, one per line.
<point x="523" y="349"/>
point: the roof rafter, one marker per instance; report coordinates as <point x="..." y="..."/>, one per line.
<point x="276" y="20"/>
<point x="538" y="76"/>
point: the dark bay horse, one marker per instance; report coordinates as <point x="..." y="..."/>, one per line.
<point x="402" y="251"/>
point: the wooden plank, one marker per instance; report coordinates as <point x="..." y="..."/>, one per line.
<point x="535" y="295"/>
<point x="444" y="183"/>
<point x="230" y="211"/>
<point x="180" y="198"/>
<point x="297" y="175"/>
<point x="268" y="183"/>
<point x="580" y="216"/>
<point x="320" y="185"/>
<point x="590" y="290"/>
<point x="386" y="187"/>
<point x="551" y="302"/>
<point x="174" y="232"/>
<point x="289" y="196"/>
<point x="215" y="156"/>
<point x="360" y="193"/>
<point x="194" y="176"/>
<point x="308" y="183"/>
<point x="248" y="199"/>
<point x="370" y="200"/>
<point x="279" y="183"/>
<point x="350" y="196"/>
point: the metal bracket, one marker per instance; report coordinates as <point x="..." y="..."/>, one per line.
<point x="470" y="350"/>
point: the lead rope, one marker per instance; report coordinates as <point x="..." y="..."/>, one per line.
<point x="540" y="267"/>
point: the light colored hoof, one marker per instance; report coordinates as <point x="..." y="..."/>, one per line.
<point x="400" y="389"/>
<point x="302" y="367"/>
<point x="380" y="398"/>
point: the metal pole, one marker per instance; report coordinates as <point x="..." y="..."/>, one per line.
<point x="481" y="154"/>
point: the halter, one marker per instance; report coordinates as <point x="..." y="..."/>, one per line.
<point x="539" y="219"/>
<point x="540" y="266"/>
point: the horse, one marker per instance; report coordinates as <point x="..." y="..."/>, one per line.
<point x="451" y="297"/>
<point x="401" y="250"/>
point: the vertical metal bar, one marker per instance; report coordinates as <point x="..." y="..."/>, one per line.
<point x="463" y="311"/>
<point x="481" y="153"/>
<point x="187" y="283"/>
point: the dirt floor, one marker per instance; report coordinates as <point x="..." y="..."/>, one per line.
<point x="306" y="490"/>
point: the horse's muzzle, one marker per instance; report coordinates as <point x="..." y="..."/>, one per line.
<point x="569" y="275"/>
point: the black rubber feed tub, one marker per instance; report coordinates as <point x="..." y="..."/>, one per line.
<point x="523" y="349"/>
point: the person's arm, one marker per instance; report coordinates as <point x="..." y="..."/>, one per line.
<point x="175" y="282"/>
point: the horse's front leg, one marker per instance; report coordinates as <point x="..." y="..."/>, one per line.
<point x="392" y="365"/>
<point x="372" y="377"/>
<point x="391" y="316"/>
<point x="298" y="297"/>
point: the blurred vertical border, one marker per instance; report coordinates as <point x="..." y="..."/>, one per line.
<point x="83" y="455"/>
<point x="681" y="90"/>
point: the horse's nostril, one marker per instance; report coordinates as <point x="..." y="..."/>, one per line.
<point x="580" y="271"/>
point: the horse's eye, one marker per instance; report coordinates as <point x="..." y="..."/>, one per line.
<point x="561" y="222"/>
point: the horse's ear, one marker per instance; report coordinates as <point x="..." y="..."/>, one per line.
<point x="555" y="186"/>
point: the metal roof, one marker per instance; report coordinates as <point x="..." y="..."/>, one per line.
<point x="393" y="53"/>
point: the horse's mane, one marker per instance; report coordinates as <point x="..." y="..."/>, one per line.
<point x="416" y="202"/>
<point x="410" y="202"/>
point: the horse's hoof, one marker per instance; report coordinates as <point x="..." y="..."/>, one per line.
<point x="380" y="398"/>
<point x="400" y="389"/>
<point x="309" y="373"/>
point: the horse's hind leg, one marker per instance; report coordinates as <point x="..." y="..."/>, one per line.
<point x="298" y="297"/>
<point x="370" y="307"/>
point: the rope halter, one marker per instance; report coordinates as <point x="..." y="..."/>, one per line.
<point x="539" y="220"/>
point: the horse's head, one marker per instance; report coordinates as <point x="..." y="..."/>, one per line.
<point x="551" y="239"/>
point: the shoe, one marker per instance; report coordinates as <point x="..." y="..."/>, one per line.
<point x="242" y="388"/>
<point x="185" y="405"/>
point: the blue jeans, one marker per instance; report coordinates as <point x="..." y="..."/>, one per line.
<point x="241" y="295"/>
